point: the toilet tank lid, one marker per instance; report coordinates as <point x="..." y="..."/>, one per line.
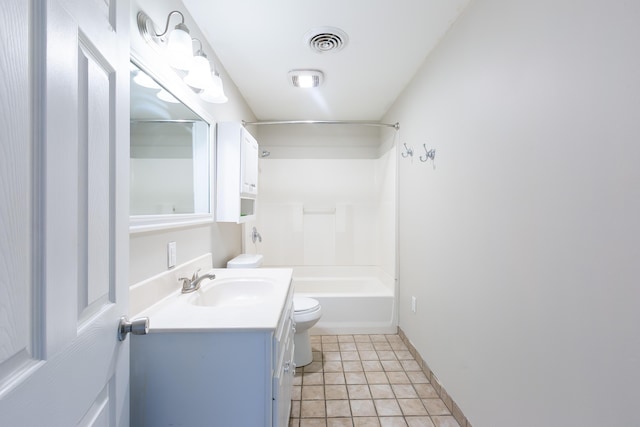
<point x="246" y="261"/>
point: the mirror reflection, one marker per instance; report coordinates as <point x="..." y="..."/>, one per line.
<point x="169" y="164"/>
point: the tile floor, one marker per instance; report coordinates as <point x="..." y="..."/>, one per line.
<point x="362" y="381"/>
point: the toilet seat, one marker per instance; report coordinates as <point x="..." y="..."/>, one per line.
<point x="304" y="305"/>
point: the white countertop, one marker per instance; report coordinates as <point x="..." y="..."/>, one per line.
<point x="177" y="313"/>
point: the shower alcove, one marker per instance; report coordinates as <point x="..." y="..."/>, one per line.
<point x="326" y="208"/>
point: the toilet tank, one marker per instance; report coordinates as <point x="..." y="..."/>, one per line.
<point x="245" y="261"/>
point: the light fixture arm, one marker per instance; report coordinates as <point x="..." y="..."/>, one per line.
<point x="200" y="50"/>
<point x="181" y="25"/>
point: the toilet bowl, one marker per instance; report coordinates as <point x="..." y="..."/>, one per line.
<point x="306" y="313"/>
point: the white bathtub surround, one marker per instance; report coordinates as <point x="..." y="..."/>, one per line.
<point x="354" y="300"/>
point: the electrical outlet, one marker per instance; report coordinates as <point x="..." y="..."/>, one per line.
<point x="171" y="254"/>
<point x="414" y="304"/>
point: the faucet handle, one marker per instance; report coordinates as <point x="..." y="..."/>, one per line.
<point x="195" y="274"/>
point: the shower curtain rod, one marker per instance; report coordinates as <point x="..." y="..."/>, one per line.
<point x="396" y="125"/>
<point x="164" y="121"/>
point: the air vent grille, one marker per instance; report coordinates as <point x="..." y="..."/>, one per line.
<point x="326" y="39"/>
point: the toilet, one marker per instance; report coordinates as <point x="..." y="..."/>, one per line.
<point x="306" y="312"/>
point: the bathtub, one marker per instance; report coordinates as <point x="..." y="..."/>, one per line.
<point x="354" y="300"/>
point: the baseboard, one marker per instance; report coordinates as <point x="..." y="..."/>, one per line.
<point x="442" y="392"/>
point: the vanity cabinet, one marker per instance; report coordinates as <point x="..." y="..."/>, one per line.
<point x="227" y="377"/>
<point x="236" y="173"/>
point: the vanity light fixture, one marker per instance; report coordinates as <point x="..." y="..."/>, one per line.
<point x="178" y="49"/>
<point x="143" y="79"/>
<point x="214" y="93"/>
<point x="306" y="78"/>
<point x="178" y="45"/>
<point x="199" y="75"/>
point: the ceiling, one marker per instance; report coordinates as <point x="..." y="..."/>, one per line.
<point x="259" y="42"/>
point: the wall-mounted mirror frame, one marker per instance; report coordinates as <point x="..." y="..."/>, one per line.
<point x="168" y="217"/>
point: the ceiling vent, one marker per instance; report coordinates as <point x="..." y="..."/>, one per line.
<point x="326" y="39"/>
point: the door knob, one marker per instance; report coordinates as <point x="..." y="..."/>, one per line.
<point x="136" y="327"/>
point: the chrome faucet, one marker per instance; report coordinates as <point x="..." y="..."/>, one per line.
<point x="193" y="284"/>
<point x="255" y="235"/>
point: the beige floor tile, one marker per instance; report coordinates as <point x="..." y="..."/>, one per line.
<point x="317" y="346"/>
<point x="312" y="409"/>
<point x="411" y="365"/>
<point x="372" y="365"/>
<point x="337" y="391"/>
<point x="355" y="378"/>
<point x="417" y="377"/>
<point x="350" y="355"/>
<point x="365" y="346"/>
<point x="313" y="367"/>
<point x="339" y="422"/>
<point x="382" y="346"/>
<point x="361" y="338"/>
<point x="368" y="355"/>
<point x="404" y="355"/>
<point x="398" y="346"/>
<point x="378" y="338"/>
<point x="330" y="347"/>
<point x="386" y="355"/>
<point x="329" y="339"/>
<point x="352" y="366"/>
<point x="313" y="422"/>
<point x="385" y="407"/>
<point x="446" y="421"/>
<point x="391" y="365"/>
<point x="366" y="422"/>
<point x="294" y="422"/>
<point x="404" y="391"/>
<point x="412" y="407"/>
<point x="312" y="378"/>
<point x="426" y="391"/>
<point x="332" y="356"/>
<point x="316" y="356"/>
<point x="296" y="392"/>
<point x="348" y="346"/>
<point x="295" y="409"/>
<point x="362" y="408"/>
<point x="419" y="421"/>
<point x="346" y="338"/>
<point x="358" y="391"/>
<point x="338" y="408"/>
<point x="376" y="378"/>
<point x="392" y="422"/>
<point x="381" y="391"/>
<point x="398" y="378"/>
<point x="436" y="407"/>
<point x="297" y="379"/>
<point x="334" y="378"/>
<point x="313" y="392"/>
<point x="333" y="366"/>
<point x="315" y="339"/>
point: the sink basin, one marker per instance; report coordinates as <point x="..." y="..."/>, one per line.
<point x="236" y="292"/>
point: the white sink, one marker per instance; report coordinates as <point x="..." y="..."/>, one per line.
<point x="236" y="292"/>
<point x="249" y="299"/>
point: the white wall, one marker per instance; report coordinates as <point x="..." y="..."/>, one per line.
<point x="148" y="252"/>
<point x="522" y="246"/>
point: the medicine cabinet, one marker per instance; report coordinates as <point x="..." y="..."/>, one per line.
<point x="237" y="173"/>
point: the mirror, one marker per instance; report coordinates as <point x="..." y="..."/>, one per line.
<point x="170" y="158"/>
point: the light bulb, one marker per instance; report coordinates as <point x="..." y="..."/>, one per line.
<point x="179" y="48"/>
<point x="199" y="75"/>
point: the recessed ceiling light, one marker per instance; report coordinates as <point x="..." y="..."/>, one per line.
<point x="306" y="78"/>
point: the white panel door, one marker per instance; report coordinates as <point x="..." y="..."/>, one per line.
<point x="63" y="212"/>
